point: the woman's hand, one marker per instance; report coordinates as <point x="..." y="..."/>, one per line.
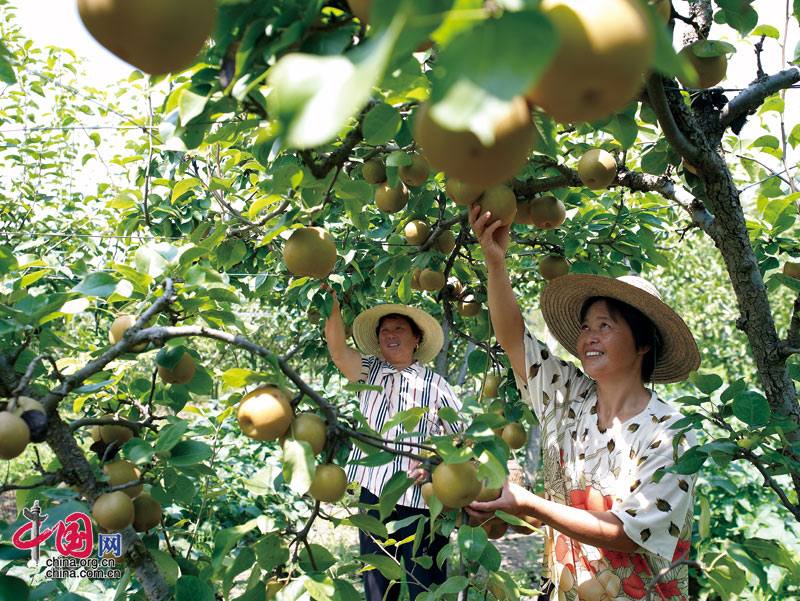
<point x="418" y="473"/>
<point x="513" y="499"/>
<point x="493" y="238"/>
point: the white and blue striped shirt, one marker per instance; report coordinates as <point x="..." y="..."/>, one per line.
<point x="415" y="386"/>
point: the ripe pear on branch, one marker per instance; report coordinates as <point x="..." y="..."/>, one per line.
<point x="605" y="50"/>
<point x="545" y="212"/>
<point x="265" y="413"/>
<point x="156" y="36"/>
<point x="310" y="251"/>
<point x="329" y="483"/>
<point x="597" y="169"/>
<point x="463" y="156"/>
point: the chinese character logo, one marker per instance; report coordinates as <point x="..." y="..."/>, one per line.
<point x="74" y="535"/>
<point x="109" y="544"/>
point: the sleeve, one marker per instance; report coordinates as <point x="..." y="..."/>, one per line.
<point x="550" y="382"/>
<point x="367" y="361"/>
<point x="447" y="398"/>
<point x="654" y="514"/>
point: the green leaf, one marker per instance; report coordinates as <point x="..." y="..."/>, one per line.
<point x="13" y="588"/>
<point x="190" y="105"/>
<point x="298" y="465"/>
<point x="491" y="558"/>
<point x="392" y="491"/>
<point x="322" y="559"/>
<point x="752" y="408"/>
<point x="453" y="585"/>
<point x="766" y="30"/>
<point x="712" y="48"/>
<point x="381" y="124"/>
<point x="320" y="587"/>
<point x="739" y="14"/>
<point x="166" y="565"/>
<point x="624" y="129"/>
<point x="690" y="462"/>
<point x="239" y="377"/>
<point x="169" y="356"/>
<point x="315" y="96"/>
<point x="191" y="588"/>
<point x="485" y="67"/>
<point x="472" y="541"/>
<point x="772" y="551"/>
<point x="369" y="523"/>
<point x="387" y="566"/>
<point x="183" y="186"/>
<point x="226" y="539"/>
<point x="190" y="452"/>
<point x="665" y="60"/>
<point x="271" y="552"/>
<point x="231" y="252"/>
<point x="170" y="436"/>
<point x="98" y="284"/>
<point x="725" y="576"/>
<point x="707" y="383"/>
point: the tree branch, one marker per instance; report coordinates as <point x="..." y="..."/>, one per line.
<point x="676" y="138"/>
<point x="754" y="95"/>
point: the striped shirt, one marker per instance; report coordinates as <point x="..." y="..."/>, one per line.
<point x="415" y="386"/>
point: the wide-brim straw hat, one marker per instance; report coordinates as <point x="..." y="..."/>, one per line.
<point x="563" y="297"/>
<point x="367" y="340"/>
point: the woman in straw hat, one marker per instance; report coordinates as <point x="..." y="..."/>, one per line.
<point x="395" y="341"/>
<point x="616" y="525"/>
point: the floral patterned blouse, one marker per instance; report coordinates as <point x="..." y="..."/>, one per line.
<point x="612" y="470"/>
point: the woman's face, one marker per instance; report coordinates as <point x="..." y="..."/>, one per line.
<point x="606" y="346"/>
<point x="397" y="340"/>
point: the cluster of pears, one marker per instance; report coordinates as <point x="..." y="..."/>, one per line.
<point x="388" y="198"/>
<point x="545" y="212"/>
<point x="180" y="373"/>
<point x="117" y="510"/>
<point x="513" y="433"/>
<point x="417" y="232"/>
<point x="266" y="414"/>
<point x="156" y="36"/>
<point x="24" y="421"/>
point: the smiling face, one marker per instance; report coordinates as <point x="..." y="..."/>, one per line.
<point x="606" y="346"/>
<point x="397" y="340"/>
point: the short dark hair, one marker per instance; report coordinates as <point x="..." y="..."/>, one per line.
<point x="645" y="333"/>
<point x="415" y="329"/>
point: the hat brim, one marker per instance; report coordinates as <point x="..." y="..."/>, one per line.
<point x="563" y="297"/>
<point x="367" y="340"/>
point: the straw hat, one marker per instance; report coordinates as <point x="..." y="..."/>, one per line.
<point x="561" y="303"/>
<point x="367" y="340"/>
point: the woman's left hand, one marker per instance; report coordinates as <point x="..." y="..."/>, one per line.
<point x="513" y="499"/>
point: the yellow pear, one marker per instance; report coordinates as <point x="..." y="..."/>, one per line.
<point x="490" y="385"/>
<point x="431" y="280"/>
<point x="501" y="202"/>
<point x="329" y="483"/>
<point x="113" y="433"/>
<point x="710" y="69"/>
<point x="310" y="251"/>
<point x="118" y="328"/>
<point x="416" y="173"/>
<point x="374" y="171"/>
<point x="546" y="212"/>
<point x="461" y="155"/>
<point x="791" y="269"/>
<point x="156" y="36"/>
<point x="446" y="242"/>
<point x="14" y="435"/>
<point x="604" y="52"/>
<point x="391" y="199"/>
<point x="310" y="428"/>
<point x="597" y="169"/>
<point x="553" y="266"/>
<point x="456" y="484"/>
<point x="122" y="472"/>
<point x="147" y="513"/>
<point x="416" y="232"/>
<point x="515" y="436"/>
<point x="113" y="511"/>
<point x="182" y="373"/>
<point x="461" y="193"/>
<point x="264" y="413"/>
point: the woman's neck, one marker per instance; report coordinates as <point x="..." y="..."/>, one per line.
<point x="620" y="400"/>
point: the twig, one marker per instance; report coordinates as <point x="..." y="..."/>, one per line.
<point x="676" y="138"/>
<point x="26" y="378"/>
